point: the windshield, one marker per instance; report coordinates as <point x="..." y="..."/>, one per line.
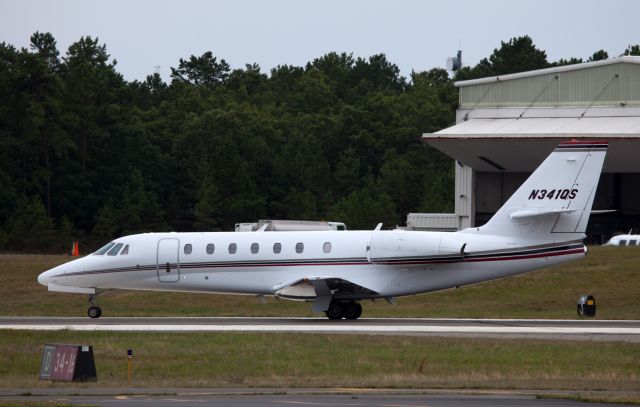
<point x="115" y="250"/>
<point x="105" y="248"/>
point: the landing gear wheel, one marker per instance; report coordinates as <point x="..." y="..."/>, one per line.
<point x="335" y="311"/>
<point x="94" y="312"/>
<point x="352" y="310"/>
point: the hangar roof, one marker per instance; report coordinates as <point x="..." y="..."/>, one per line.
<point x="520" y="144"/>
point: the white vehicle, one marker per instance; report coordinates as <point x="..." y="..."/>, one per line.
<point x="288" y="226"/>
<point x="542" y="224"/>
<point x="624" y="240"/>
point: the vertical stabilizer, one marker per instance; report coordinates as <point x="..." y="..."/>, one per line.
<point x="554" y="203"/>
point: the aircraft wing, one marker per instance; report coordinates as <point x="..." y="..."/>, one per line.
<point x="321" y="289"/>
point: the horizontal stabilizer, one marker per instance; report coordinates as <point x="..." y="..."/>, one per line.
<point x="70" y="289"/>
<point x="528" y="214"/>
<point x="601" y="211"/>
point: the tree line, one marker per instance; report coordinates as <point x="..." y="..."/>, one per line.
<point x="87" y="155"/>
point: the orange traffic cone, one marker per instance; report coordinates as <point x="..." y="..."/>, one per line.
<point x="75" y="252"/>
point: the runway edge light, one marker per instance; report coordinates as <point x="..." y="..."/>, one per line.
<point x="587" y="306"/>
<point x="129" y="367"/>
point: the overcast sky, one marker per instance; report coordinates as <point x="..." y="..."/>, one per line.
<point x="415" y="35"/>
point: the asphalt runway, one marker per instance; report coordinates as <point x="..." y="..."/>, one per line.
<point x="583" y="329"/>
<point x="319" y="400"/>
<point x="309" y="397"/>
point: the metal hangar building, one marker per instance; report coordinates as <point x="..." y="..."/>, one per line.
<point x="507" y="125"/>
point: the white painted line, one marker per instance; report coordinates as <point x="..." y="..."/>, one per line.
<point x="335" y="328"/>
<point x="524" y="320"/>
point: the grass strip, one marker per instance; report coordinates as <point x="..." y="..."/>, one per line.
<point x="315" y="361"/>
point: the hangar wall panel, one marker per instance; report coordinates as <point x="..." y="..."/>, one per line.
<point x="611" y="84"/>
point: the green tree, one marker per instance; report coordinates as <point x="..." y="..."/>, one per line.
<point x="45" y="45"/>
<point x="30" y="228"/>
<point x="365" y="207"/>
<point x="139" y="210"/>
<point x="204" y="70"/>
<point x="90" y="83"/>
<point x="207" y="208"/>
<point x="433" y="78"/>
<point x="518" y="55"/>
<point x="599" y="55"/>
<point x="248" y="84"/>
<point x="107" y="225"/>
<point x="336" y="139"/>
<point x="632" y="50"/>
<point x="95" y="117"/>
<point x="569" y="61"/>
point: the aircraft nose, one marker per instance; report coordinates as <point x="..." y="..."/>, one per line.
<point x="43" y="278"/>
<point x="46" y="277"/>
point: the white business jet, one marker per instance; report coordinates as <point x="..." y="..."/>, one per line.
<point x="542" y="224"/>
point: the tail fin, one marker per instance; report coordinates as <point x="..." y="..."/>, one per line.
<point x="554" y="203"/>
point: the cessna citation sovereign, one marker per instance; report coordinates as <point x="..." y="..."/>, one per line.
<point x="542" y="224"/>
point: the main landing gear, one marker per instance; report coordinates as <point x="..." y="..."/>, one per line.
<point x="94" y="311"/>
<point x="347" y="310"/>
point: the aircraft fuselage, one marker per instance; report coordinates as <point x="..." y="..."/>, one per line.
<point x="383" y="263"/>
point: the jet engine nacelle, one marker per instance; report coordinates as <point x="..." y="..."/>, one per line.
<point x="411" y="244"/>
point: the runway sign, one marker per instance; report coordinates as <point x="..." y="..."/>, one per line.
<point x="68" y="363"/>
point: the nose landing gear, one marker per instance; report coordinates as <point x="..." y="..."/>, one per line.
<point x="94" y="310"/>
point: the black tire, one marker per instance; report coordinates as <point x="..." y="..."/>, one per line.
<point x="94" y="312"/>
<point x="352" y="310"/>
<point x="335" y="311"/>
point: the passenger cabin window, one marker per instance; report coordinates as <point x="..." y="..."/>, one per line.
<point x="188" y="248"/>
<point x="299" y="247"/>
<point x="233" y="248"/>
<point x="326" y="247"/>
<point x="115" y="250"/>
<point x="125" y="251"/>
<point x="623" y="242"/>
<point x="105" y="248"/>
<point x="277" y="248"/>
<point x="211" y="248"/>
<point x="633" y="242"/>
<point x="255" y="248"/>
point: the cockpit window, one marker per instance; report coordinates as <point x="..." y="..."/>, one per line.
<point x="105" y="248"/>
<point x="115" y="249"/>
<point x="125" y="251"/>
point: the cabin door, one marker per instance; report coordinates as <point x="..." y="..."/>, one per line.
<point x="168" y="260"/>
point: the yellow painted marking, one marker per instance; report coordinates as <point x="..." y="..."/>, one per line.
<point x="311" y="403"/>
<point x="405" y="405"/>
